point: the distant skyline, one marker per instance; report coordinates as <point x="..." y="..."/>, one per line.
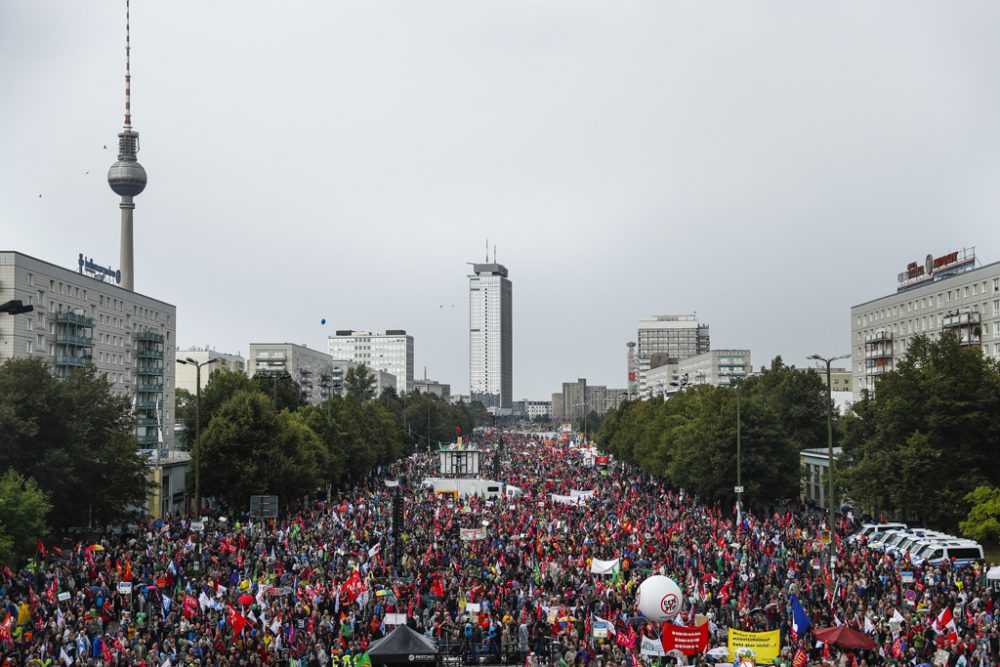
<point x="766" y="166"/>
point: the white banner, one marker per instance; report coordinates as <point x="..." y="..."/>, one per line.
<point x="565" y="500"/>
<point x="586" y="495"/>
<point x="605" y="566"/>
<point x="469" y="534"/>
<point x="395" y="619"/>
<point x="651" y="647"/>
<point x="609" y="626"/>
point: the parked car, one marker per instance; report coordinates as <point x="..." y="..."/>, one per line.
<point x="910" y="537"/>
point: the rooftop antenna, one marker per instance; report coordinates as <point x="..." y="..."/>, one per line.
<point x="487" y="250"/>
<point x="494" y="253"/>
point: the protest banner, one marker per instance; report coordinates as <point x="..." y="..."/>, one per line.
<point x="687" y="640"/>
<point x="651" y="647"/>
<point x="765" y="645"/>
<point x="598" y="566"/>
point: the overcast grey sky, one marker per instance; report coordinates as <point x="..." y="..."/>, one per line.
<point x="766" y="164"/>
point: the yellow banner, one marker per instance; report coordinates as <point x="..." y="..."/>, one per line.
<point x="765" y="645"/>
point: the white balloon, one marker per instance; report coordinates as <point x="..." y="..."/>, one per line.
<point x="659" y="598"/>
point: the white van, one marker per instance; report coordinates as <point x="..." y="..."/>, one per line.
<point x="869" y="529"/>
<point x="963" y="552"/>
<point x="512" y="491"/>
<point x="959" y="552"/>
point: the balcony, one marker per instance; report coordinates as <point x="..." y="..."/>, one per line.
<point x="149" y="336"/>
<point x="149" y="388"/>
<point x="146" y="421"/>
<point x="73" y="318"/>
<point x="67" y="360"/>
<point x="955" y="320"/>
<point x="147" y="405"/>
<point x="879" y="337"/>
<point x="70" y="339"/>
<point x="148" y="439"/>
<point x="149" y="353"/>
<point x="149" y="370"/>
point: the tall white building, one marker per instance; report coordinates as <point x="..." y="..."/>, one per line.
<point x="668" y="338"/>
<point x="83" y="318"/>
<point x="491" y="336"/>
<point x="187" y="375"/>
<point x="946" y="293"/>
<point x="311" y="369"/>
<point x="391" y="352"/>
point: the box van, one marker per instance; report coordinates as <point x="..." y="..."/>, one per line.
<point x="869" y="529"/>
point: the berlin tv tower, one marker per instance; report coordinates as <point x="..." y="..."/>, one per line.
<point x="126" y="176"/>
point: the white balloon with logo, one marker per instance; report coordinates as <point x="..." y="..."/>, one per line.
<point x="659" y="598"/>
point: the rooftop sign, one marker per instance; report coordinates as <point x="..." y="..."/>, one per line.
<point x="935" y="268"/>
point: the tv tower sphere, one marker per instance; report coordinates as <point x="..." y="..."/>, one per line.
<point x="127" y="177"/>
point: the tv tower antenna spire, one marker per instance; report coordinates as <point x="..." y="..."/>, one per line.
<point x="127" y="177"/>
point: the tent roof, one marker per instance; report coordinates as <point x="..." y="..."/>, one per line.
<point x="994" y="572"/>
<point x="403" y="645"/>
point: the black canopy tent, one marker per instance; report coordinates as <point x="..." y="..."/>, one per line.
<point x="403" y="646"/>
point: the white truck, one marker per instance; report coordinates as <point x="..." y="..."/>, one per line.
<point x="457" y="487"/>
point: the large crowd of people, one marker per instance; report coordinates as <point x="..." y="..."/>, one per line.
<point x="507" y="579"/>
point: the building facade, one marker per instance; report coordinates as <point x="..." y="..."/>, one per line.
<point x="311" y="369"/>
<point x="537" y="409"/>
<point x="439" y="389"/>
<point x="946" y="293"/>
<point x="579" y="398"/>
<point x="82" y="320"/>
<point x="716" y="367"/>
<point x="663" y="339"/>
<point x="391" y="352"/>
<point x="187" y="375"/>
<point x="491" y="367"/>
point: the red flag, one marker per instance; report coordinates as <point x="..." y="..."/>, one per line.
<point x="5" y="627"/>
<point x="945" y="621"/>
<point x="897" y="648"/>
<point x="353" y="587"/>
<point x="236" y="620"/>
<point x="800" y="659"/>
<point x="41" y="549"/>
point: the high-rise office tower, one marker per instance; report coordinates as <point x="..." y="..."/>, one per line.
<point x="491" y="367"/>
<point x="666" y="338"/>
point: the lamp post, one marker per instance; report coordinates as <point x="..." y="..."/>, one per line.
<point x="739" y="452"/>
<point x="829" y="437"/>
<point x="197" y="426"/>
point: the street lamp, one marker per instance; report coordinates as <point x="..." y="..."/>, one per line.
<point x="829" y="436"/>
<point x="739" y="452"/>
<point x="15" y="307"/>
<point x="197" y="426"/>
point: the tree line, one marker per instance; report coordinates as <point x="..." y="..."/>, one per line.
<point x="691" y="438"/>
<point x="70" y="462"/>
<point x="259" y="436"/>
<point x="922" y="448"/>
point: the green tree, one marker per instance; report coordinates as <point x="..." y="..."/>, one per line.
<point x="983" y="520"/>
<point x="934" y="422"/>
<point x="799" y="396"/>
<point x="23" y="510"/>
<point x="251" y="449"/>
<point x="359" y="382"/>
<point x="76" y="439"/>
<point x="284" y="392"/>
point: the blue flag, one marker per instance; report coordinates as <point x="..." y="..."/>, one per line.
<point x="800" y="622"/>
